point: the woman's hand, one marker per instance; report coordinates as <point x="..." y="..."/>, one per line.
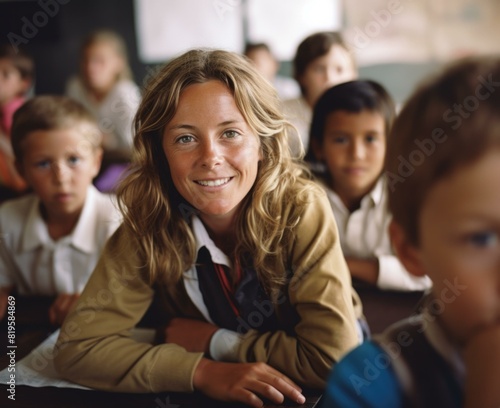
<point x="61" y="306"/>
<point x="482" y="362"/>
<point x="193" y="335"/>
<point x="246" y="383"/>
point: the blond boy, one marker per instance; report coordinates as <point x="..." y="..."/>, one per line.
<point x="51" y="239"/>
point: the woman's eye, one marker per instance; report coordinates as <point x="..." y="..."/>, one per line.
<point x="185" y="139"/>
<point x="371" y="138"/>
<point x="483" y="239"/>
<point x="230" y="134"/>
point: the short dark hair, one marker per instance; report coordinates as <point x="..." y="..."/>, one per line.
<point x="354" y="97"/>
<point x="431" y="137"/>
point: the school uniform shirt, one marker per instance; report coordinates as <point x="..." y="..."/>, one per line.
<point x="36" y="264"/>
<point x="364" y="234"/>
<point x="114" y="114"/>
<point x="412" y="364"/>
<point x="299" y="113"/>
<point x="316" y="315"/>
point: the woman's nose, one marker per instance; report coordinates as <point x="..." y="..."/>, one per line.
<point x="210" y="154"/>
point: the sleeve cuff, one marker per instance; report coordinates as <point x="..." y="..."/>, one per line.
<point x="393" y="276"/>
<point x="224" y="345"/>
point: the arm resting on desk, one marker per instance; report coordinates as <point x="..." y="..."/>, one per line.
<point x="321" y="294"/>
<point x="94" y="348"/>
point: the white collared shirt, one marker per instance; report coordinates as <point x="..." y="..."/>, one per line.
<point x="36" y="264"/>
<point x="364" y="235"/>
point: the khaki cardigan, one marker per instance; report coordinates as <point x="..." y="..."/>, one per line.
<point x="317" y="317"/>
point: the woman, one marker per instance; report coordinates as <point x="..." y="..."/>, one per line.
<point x="227" y="230"/>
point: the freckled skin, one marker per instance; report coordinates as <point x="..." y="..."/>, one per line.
<point x="208" y="141"/>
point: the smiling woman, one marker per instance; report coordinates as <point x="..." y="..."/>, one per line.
<point x="212" y="152"/>
<point x="228" y="230"/>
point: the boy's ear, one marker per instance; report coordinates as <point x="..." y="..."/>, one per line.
<point x="407" y="252"/>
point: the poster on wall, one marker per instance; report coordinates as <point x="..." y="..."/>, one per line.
<point x="387" y="31"/>
<point x="421" y="31"/>
<point x="166" y="29"/>
<point x="465" y="27"/>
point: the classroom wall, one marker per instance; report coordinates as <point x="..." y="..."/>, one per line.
<point x="55" y="46"/>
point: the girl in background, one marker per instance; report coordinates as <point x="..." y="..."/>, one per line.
<point x="106" y="88"/>
<point x="322" y="60"/>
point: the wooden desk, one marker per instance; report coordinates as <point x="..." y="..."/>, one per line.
<point x="33" y="327"/>
<point x="382" y="308"/>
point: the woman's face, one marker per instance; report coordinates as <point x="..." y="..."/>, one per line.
<point x="212" y="152"/>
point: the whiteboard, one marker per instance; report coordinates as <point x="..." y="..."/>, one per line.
<point x="167" y="28"/>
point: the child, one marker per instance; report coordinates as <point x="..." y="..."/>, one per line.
<point x="105" y="87"/>
<point x="322" y="60"/>
<point x="51" y="239"/>
<point x="348" y="140"/>
<point x="16" y="76"/>
<point x="265" y="62"/>
<point x="443" y="162"/>
<point x="223" y="226"/>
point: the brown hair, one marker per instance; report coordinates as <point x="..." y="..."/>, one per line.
<point x="50" y="112"/>
<point x="21" y="60"/>
<point x="449" y="121"/>
<point x="315" y="46"/>
<point x="159" y="218"/>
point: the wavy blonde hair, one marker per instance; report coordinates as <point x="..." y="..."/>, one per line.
<point x="158" y="216"/>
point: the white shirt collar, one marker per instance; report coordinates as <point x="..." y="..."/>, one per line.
<point x="377" y="192"/>
<point x="374" y="197"/>
<point x="204" y="240"/>
<point x="36" y="233"/>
